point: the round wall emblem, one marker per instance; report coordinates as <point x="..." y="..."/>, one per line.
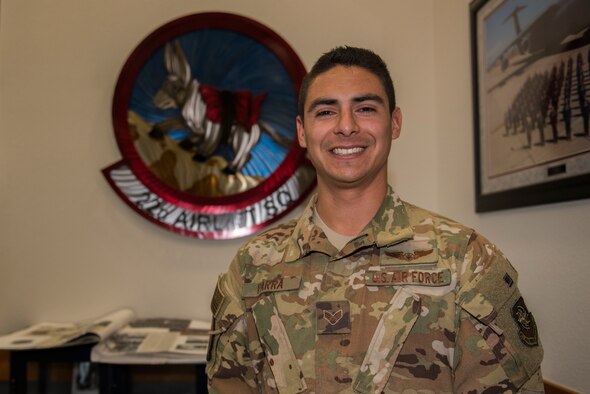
<point x="204" y="116"/>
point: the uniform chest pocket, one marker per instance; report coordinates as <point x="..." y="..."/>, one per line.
<point x="277" y="346"/>
<point x="387" y="341"/>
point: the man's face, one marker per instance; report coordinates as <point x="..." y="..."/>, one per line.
<point x="348" y="127"/>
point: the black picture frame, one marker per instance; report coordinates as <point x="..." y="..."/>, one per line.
<point x="520" y="51"/>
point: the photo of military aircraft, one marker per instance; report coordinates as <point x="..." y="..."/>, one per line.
<point x="521" y="32"/>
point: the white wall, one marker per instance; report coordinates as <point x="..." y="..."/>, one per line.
<point x="70" y="249"/>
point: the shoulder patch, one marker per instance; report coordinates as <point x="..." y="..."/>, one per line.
<point x="526" y="323"/>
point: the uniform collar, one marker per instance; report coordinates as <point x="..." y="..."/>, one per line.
<point x="390" y="225"/>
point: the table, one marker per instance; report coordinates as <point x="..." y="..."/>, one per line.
<point x="20" y="358"/>
<point x="113" y="378"/>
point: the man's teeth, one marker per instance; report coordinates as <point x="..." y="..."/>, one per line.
<point x="347" y="151"/>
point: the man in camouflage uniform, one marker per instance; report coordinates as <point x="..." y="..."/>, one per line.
<point x="366" y="293"/>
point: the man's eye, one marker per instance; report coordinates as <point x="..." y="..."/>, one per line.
<point x="323" y="113"/>
<point x="366" y="109"/>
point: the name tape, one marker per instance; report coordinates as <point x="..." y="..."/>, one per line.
<point x="271" y="285"/>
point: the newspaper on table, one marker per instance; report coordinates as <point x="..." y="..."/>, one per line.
<point x="51" y="335"/>
<point x="155" y="341"/>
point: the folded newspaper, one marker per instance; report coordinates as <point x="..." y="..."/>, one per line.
<point x="49" y="335"/>
<point x="155" y="341"/>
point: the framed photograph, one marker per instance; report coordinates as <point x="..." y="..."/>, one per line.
<point x="531" y="95"/>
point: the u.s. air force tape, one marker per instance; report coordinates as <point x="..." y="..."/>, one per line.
<point x="398" y="277"/>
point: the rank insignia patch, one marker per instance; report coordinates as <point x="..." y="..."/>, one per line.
<point x="333" y="317"/>
<point x="527" y="329"/>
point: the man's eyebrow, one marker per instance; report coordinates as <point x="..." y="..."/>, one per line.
<point x="321" y="101"/>
<point x="368" y="97"/>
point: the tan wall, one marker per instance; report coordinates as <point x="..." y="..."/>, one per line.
<point x="70" y="249"/>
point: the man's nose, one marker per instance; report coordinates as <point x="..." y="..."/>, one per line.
<point x="347" y="123"/>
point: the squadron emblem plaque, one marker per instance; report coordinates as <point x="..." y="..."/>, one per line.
<point x="204" y="116"/>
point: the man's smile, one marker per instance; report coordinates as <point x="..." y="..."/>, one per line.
<point x="347" y="151"/>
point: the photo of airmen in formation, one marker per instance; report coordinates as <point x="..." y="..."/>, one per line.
<point x="535" y="95"/>
<point x="537" y="105"/>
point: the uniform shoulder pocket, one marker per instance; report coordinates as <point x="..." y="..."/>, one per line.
<point x="507" y="325"/>
<point x="227" y="311"/>
<point x="277" y="346"/>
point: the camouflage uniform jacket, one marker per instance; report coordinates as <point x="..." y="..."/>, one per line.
<point x="415" y="303"/>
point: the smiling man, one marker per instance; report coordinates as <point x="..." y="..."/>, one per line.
<point x="366" y="293"/>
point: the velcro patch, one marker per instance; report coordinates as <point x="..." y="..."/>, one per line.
<point x="271" y="285"/>
<point x="430" y="278"/>
<point x="333" y="317"/>
<point x="218" y="297"/>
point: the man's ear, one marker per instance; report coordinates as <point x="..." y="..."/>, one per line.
<point x="396" y="123"/>
<point x="300" y="132"/>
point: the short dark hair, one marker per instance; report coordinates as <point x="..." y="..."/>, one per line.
<point x="348" y="56"/>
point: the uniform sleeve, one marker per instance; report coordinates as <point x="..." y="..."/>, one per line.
<point x="497" y="344"/>
<point x="229" y="364"/>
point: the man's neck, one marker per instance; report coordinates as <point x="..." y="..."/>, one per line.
<point x="347" y="211"/>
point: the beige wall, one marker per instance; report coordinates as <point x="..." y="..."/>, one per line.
<point x="70" y="249"/>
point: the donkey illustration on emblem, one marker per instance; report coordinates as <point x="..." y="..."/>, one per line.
<point x="211" y="116"/>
